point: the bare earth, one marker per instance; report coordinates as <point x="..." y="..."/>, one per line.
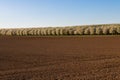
<point x="60" y="58"/>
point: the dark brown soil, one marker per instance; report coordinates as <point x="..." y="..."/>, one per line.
<point x="60" y="58"/>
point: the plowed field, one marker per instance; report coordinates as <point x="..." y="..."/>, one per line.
<point x="60" y="58"/>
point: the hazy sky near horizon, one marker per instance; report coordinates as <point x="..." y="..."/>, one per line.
<point x="42" y="13"/>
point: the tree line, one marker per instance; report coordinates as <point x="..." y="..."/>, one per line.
<point x="112" y="29"/>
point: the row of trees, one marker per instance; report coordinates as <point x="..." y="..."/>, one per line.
<point x="76" y="30"/>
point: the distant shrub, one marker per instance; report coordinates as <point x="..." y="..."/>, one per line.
<point x="53" y="32"/>
<point x="92" y="30"/>
<point x="25" y="32"/>
<point x="87" y="31"/>
<point x="57" y="31"/>
<point x="39" y="32"/>
<point x="61" y="31"/>
<point x="76" y="30"/>
<point x="99" y="31"/>
<point x="113" y="30"/>
<point x="42" y="32"/>
<point x="2" y="32"/>
<point x="118" y="29"/>
<point x="81" y="31"/>
<point x="105" y="30"/>
<point x="45" y="32"/>
<point x="65" y="31"/>
<point x="49" y="31"/>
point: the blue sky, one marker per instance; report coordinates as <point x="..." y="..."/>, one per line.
<point x="42" y="13"/>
